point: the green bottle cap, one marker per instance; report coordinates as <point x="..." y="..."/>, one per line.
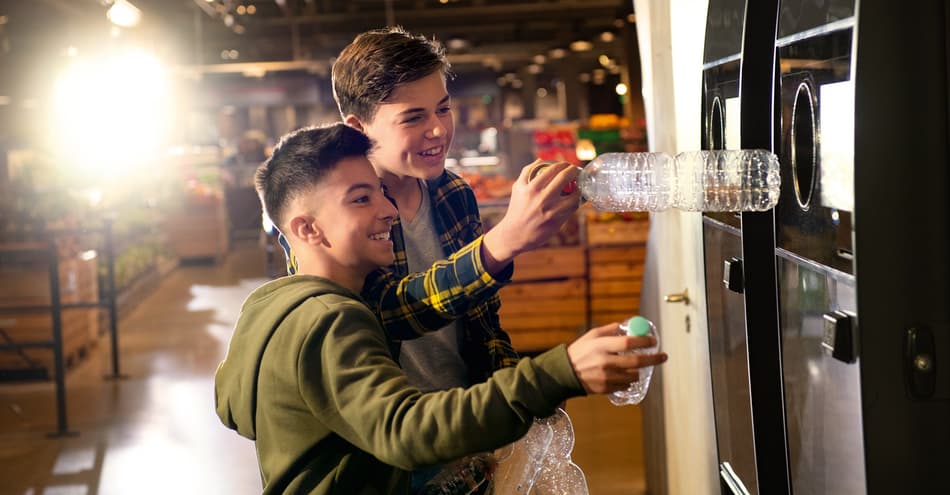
<point x="638" y="326"/>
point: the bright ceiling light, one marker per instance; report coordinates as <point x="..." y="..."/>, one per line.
<point x="621" y="89"/>
<point x="581" y="45"/>
<point x="111" y="114"/>
<point x="124" y="14"/>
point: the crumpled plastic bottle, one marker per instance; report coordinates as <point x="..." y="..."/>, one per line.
<point x="637" y="326"/>
<point x="540" y="463"/>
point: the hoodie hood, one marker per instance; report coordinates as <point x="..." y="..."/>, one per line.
<point x="236" y="379"/>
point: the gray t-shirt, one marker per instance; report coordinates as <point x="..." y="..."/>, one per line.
<point x="432" y="361"/>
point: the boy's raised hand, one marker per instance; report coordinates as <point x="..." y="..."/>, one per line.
<point x="538" y="207"/>
<point x="598" y="363"/>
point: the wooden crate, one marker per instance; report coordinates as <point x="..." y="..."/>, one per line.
<point x="616" y="278"/>
<point x="617" y="232"/>
<point x="198" y="230"/>
<point x="550" y="264"/>
<point x="28" y="285"/>
<point x="546" y="304"/>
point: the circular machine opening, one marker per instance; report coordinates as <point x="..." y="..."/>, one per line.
<point x="716" y="126"/>
<point x="804" y="143"/>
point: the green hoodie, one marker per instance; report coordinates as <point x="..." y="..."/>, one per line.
<point x="309" y="376"/>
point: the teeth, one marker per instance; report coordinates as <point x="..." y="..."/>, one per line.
<point x="380" y="237"/>
<point x="432" y="151"/>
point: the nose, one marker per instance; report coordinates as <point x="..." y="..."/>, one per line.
<point x="436" y="129"/>
<point x="388" y="211"/>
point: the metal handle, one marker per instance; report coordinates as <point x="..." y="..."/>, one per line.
<point x="682" y="297"/>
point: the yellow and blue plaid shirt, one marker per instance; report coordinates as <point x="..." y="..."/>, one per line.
<point x="456" y="288"/>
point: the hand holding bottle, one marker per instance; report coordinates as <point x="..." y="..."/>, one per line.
<point x="602" y="360"/>
<point x="536" y="211"/>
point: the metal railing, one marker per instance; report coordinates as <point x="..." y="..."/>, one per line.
<point x="106" y="299"/>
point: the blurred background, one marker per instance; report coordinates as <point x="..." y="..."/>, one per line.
<point x="129" y="134"/>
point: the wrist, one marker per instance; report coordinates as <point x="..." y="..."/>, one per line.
<point x="498" y="247"/>
<point x="496" y="254"/>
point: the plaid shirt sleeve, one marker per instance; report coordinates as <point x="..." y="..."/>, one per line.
<point x="421" y="302"/>
<point x="488" y="347"/>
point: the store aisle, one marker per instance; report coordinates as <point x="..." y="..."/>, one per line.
<point x="154" y="431"/>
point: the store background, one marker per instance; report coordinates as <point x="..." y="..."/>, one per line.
<point x="145" y="128"/>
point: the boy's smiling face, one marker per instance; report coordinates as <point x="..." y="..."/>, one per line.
<point x="412" y="129"/>
<point x="354" y="218"/>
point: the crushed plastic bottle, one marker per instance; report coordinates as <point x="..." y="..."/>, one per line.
<point x="540" y="462"/>
<point x="637" y="326"/>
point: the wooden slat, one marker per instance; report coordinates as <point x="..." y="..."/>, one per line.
<point x="551" y="263"/>
<point x="611" y="233"/>
<point x="602" y="288"/>
<point x="542" y="307"/>
<point x="554" y="289"/>
<point x="524" y="341"/>
<point x="540" y="322"/>
<point x="600" y="304"/>
<point x="617" y="270"/>
<point x="617" y="253"/>
<point x="605" y="317"/>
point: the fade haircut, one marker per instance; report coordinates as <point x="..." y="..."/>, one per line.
<point x="301" y="160"/>
<point x="376" y="62"/>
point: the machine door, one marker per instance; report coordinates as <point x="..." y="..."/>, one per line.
<point x="728" y="356"/>
<point x="814" y="252"/>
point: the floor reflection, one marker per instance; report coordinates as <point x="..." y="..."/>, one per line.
<point x="154" y="431"/>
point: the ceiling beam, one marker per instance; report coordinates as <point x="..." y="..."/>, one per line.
<point x="516" y="11"/>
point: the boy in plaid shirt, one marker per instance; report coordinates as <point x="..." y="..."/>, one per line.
<point x="438" y="301"/>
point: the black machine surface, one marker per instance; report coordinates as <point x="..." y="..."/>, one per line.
<point x="828" y="316"/>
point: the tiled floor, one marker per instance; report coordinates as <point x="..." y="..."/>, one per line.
<point x="154" y="430"/>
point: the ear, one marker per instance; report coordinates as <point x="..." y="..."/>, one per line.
<point x="305" y="229"/>
<point x="354" y="122"/>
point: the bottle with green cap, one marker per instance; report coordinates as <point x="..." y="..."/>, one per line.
<point x="637" y="326"/>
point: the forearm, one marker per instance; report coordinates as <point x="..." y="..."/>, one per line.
<point x="423" y="302"/>
<point x="381" y="414"/>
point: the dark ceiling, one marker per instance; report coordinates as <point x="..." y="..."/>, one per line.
<point x="210" y="36"/>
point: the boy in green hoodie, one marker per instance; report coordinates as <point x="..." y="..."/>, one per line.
<point x="310" y="375"/>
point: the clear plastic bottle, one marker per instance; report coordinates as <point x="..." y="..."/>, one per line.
<point x="720" y="180"/>
<point x="629" y="182"/>
<point x="637" y="326"/>
<point x="727" y="180"/>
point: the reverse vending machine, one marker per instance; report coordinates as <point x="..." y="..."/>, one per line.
<point x="829" y="317"/>
<point x="740" y="284"/>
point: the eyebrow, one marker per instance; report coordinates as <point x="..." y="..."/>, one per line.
<point x="443" y="101"/>
<point x="361" y="185"/>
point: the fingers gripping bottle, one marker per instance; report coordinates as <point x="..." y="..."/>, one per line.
<point x="637" y="326"/>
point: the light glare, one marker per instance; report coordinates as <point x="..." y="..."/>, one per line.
<point x="122" y="13"/>
<point x="111" y="114"/>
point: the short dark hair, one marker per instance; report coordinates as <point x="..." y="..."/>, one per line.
<point x="301" y="160"/>
<point x="368" y="69"/>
